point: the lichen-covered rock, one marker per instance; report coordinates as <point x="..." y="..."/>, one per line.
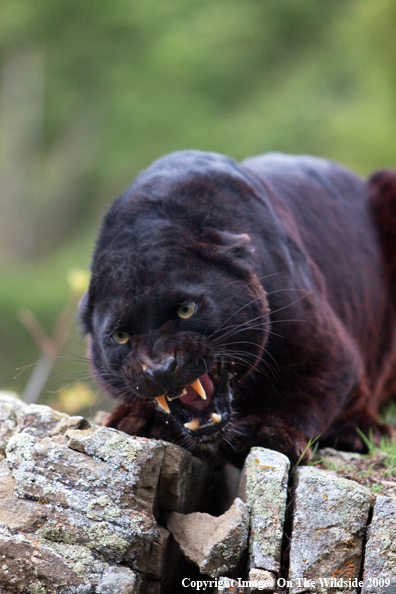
<point x="329" y="522"/>
<point x="134" y="463"/>
<point x="182" y="480"/>
<point x="264" y="489"/>
<point x="78" y="505"/>
<point x="380" y="556"/>
<point x="102" y="499"/>
<point x="10" y="406"/>
<point x="29" y="564"/>
<point x="214" y="544"/>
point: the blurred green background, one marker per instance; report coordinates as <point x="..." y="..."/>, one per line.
<point x="92" y="91"/>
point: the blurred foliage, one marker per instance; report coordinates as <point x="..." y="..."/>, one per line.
<point x="92" y="92"/>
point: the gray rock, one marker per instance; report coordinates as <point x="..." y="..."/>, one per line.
<point x="329" y="522"/>
<point x="10" y="408"/>
<point x="265" y="581"/>
<point x="331" y="453"/>
<point x="42" y="421"/>
<point x="118" y="467"/>
<point x="338" y="461"/>
<point x="77" y="501"/>
<point x="78" y="508"/>
<point x="380" y="557"/>
<point x="134" y="462"/>
<point x="182" y="480"/>
<point x="214" y="544"/>
<point x="29" y="564"/>
<point x="119" y="580"/>
<point x="102" y="499"/>
<point x="264" y="489"/>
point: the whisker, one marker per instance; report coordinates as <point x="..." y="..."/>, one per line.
<point x="235" y="313"/>
<point x="245" y="286"/>
<point x="292" y="303"/>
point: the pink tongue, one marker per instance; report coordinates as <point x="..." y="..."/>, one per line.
<point x="192" y="398"/>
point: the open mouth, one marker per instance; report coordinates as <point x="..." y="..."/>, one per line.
<point x="204" y="406"/>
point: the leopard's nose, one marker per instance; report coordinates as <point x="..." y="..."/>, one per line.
<point x="164" y="375"/>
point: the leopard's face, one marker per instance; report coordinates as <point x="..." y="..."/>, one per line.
<point x="179" y="337"/>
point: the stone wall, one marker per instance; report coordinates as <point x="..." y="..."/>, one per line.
<point x="92" y="510"/>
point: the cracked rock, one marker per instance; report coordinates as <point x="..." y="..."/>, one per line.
<point x="264" y="489"/>
<point x="214" y="544"/>
<point x="380" y="556"/>
<point x="329" y="522"/>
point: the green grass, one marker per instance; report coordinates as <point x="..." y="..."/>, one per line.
<point x="311" y="442"/>
<point x="387" y="446"/>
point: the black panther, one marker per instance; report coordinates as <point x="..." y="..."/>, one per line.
<point x="254" y="304"/>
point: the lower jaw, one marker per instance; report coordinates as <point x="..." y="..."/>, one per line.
<point x="208" y="431"/>
<point x="200" y="425"/>
<point x="206" y="424"/>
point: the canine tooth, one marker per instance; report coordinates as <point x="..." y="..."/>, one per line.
<point x="184" y="391"/>
<point x="192" y="425"/>
<point x="215" y="418"/>
<point x="198" y="388"/>
<point x="162" y="401"/>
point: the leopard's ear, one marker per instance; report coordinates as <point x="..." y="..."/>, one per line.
<point x="237" y="244"/>
<point x="231" y="249"/>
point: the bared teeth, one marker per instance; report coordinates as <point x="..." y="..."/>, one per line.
<point x="199" y="388"/>
<point x="215" y="418"/>
<point x="184" y="392"/>
<point x="162" y="401"/>
<point x="192" y="425"/>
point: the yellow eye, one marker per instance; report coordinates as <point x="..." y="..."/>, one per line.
<point x="120" y="337"/>
<point x="186" y="311"/>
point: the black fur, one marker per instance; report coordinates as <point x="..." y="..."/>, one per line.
<point x="294" y="310"/>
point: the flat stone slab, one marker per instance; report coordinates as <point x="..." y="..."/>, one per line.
<point x="329" y="523"/>
<point x="380" y="555"/>
<point x="263" y="487"/>
<point x="214" y="544"/>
